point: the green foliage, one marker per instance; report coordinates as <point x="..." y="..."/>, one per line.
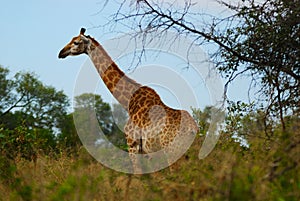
<point x="87" y="104"/>
<point x="90" y="112"/>
<point x="21" y="190"/>
<point x="202" y="118"/>
<point x="264" y="45"/>
<point x="18" y="142"/>
<point x="120" y="117"/>
<point x="231" y="176"/>
<point x="25" y="97"/>
<point x="22" y="142"/>
<point x="267" y="170"/>
<point x="5" y="88"/>
<point x="30" y="113"/>
<point x="43" y="103"/>
<point x="68" y="138"/>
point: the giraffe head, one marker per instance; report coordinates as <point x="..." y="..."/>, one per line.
<point x="78" y="45"/>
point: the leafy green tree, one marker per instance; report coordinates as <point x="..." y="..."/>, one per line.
<point x="91" y="111"/>
<point x="120" y="115"/>
<point x="25" y="98"/>
<point x="117" y="136"/>
<point x="46" y="105"/>
<point x="203" y="118"/>
<point x="92" y="118"/>
<point x="30" y="113"/>
<point x="68" y="138"/>
<point x="93" y="103"/>
<point x="6" y="86"/>
<point x="265" y="45"/>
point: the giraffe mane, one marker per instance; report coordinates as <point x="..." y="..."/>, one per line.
<point x="93" y="40"/>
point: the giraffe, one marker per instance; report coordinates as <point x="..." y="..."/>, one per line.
<point x="152" y="125"/>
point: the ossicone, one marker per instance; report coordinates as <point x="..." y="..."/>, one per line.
<point x="82" y="31"/>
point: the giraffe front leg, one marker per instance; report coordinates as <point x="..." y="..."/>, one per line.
<point x="133" y="154"/>
<point x="133" y="144"/>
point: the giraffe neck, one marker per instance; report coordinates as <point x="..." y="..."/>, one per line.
<point x="120" y="86"/>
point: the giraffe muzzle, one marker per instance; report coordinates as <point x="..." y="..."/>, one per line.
<point x="63" y="54"/>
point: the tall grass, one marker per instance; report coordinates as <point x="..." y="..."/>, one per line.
<point x="229" y="173"/>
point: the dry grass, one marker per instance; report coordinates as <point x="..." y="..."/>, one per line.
<point x="227" y="174"/>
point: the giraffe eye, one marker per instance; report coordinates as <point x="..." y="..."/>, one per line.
<point x="76" y="43"/>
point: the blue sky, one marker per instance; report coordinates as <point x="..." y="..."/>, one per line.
<point x="33" y="32"/>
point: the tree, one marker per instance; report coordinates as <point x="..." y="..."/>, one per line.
<point x="92" y="118"/>
<point x="26" y="100"/>
<point x="6" y="86"/>
<point x="68" y="138"/>
<point x="91" y="111"/>
<point x="259" y="40"/>
<point x="88" y="102"/>
<point x="120" y="115"/>
<point x="120" y="118"/>
<point x="203" y="118"/>
<point x="30" y="113"/>
<point x="267" y="43"/>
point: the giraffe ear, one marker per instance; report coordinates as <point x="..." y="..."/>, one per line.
<point x="82" y="30"/>
<point x="85" y="38"/>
